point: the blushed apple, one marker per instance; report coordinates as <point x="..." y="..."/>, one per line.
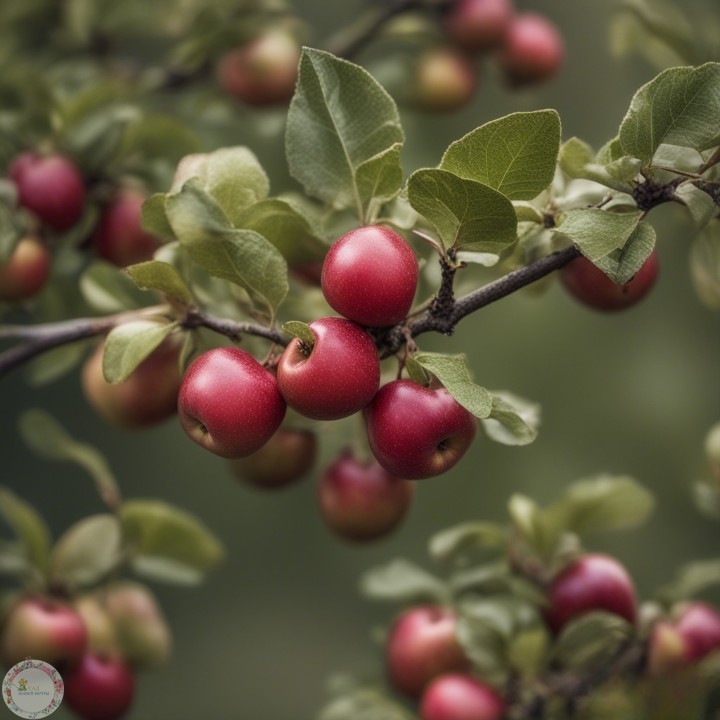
<point x="24" y="274"/>
<point x="461" y="697"/>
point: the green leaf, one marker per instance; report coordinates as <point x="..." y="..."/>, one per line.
<point x="577" y="161"/>
<point x="364" y="704"/>
<point x="456" y="541"/>
<point x="679" y="107"/>
<point x="466" y="213"/>
<point x="379" y="179"/>
<point x="159" y="136"/>
<point x="302" y="331"/>
<point x="29" y="527"/>
<point x="161" y="276"/>
<point x="692" y="579"/>
<point x="339" y="119"/>
<point x="452" y="371"/>
<point x="55" y="363"/>
<point x="11" y="231"/>
<point x="529" y="521"/>
<point x="597" y="232"/>
<point x="153" y="216"/>
<point x="700" y="205"/>
<point x="166" y="570"/>
<point x="621" y="265"/>
<point x="513" y="420"/>
<point x="516" y="154"/>
<point x="108" y="289"/>
<point x="402" y="581"/>
<point x="127" y="345"/>
<point x="705" y="265"/>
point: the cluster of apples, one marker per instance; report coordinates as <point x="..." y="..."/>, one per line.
<point x="98" y="642"/>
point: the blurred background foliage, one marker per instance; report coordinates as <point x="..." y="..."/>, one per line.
<point x="631" y="393"/>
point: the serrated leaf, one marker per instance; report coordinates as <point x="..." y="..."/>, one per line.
<point x="679" y="107"/>
<point x="379" y="179"/>
<point x="516" y="154"/>
<point x="621" y="265"/>
<point x="339" y="118"/>
<point x="300" y="330"/>
<point x="597" y="232"/>
<point x="108" y="289"/>
<point x="29" y="527"/>
<point x="128" y="344"/>
<point x="161" y="276"/>
<point x="512" y="420"/>
<point x="705" y="265"/>
<point x="402" y="581"/>
<point x="448" y="544"/>
<point x="153" y="216"/>
<point x="692" y="579"/>
<point x="467" y="214"/>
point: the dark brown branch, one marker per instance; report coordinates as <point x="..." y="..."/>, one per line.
<point x="232" y="329"/>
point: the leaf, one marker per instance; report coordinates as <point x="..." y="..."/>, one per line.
<point x="379" y="179"/>
<point x="339" y="118"/>
<point x="128" y="344"/>
<point x="516" y="154"/>
<point x="705" y="265"/>
<point x="679" y="107"/>
<point x="108" y="289"/>
<point x="300" y="330"/>
<point x="529" y="521"/>
<point x="161" y="276"/>
<point x="456" y="541"/>
<point x="153" y="216"/>
<point x="466" y="213"/>
<point x="11" y="231"/>
<point x="598" y="232"/>
<point x="159" y="136"/>
<point x="453" y="373"/>
<point x="402" y="581"/>
<point x="512" y="420"/>
<point x="577" y="161"/>
<point x="621" y="265"/>
<point x="364" y="704"/>
<point x="485" y="644"/>
<point x="692" y="579"/>
<point x="167" y="570"/>
<point x="54" y="364"/>
<point x="700" y="205"/>
<point x="29" y="527"/>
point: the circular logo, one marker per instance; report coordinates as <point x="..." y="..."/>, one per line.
<point x="32" y="689"/>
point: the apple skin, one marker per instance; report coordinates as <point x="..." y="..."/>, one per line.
<point x="51" y="187"/>
<point x="24" y="274"/>
<point x="119" y="236"/>
<point x="148" y="397"/>
<point x="285" y="458"/>
<point x="102" y="636"/>
<point x="666" y="649"/>
<point x="421" y="646"/>
<point x="460" y="697"/>
<point x="100" y="687"/>
<point x="698" y="624"/>
<point x="478" y="25"/>
<point x="361" y="501"/>
<point x="532" y="52"/>
<point x="42" y="628"/>
<point x="592" y="287"/>
<point x="593" y="582"/>
<point x="417" y="432"/>
<point x="370" y="276"/>
<point x="445" y="80"/>
<point x="338" y="377"/>
<point x="229" y="403"/>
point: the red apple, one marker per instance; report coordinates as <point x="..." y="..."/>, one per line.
<point x="335" y="378"/>
<point x="100" y="687"/>
<point x="461" y="697"/>
<point x="51" y="187"/>
<point x="698" y="624"/>
<point x="592" y="582"/>
<point x="26" y="271"/>
<point x="478" y="25"/>
<point x="445" y="80"/>
<point x="229" y="403"/>
<point x="421" y="646"/>
<point x="361" y="500"/>
<point x="417" y="432"/>
<point x="592" y="287"/>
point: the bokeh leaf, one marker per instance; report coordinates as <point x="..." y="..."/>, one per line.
<point x="402" y="581"/>
<point x="29" y="527"/>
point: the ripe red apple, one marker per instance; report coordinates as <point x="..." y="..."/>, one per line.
<point x="417" y="432"/>
<point x="532" y="50"/>
<point x="361" y="500"/>
<point x="42" y="628"/>
<point x="119" y="236"/>
<point x="421" y="646"/>
<point x="335" y="378"/>
<point x="100" y="687"/>
<point x="592" y="582"/>
<point x="370" y="275"/>
<point x="478" y="25"/>
<point x="263" y="71"/>
<point x="286" y="457"/>
<point x="229" y="403"/>
<point x="592" y="287"/>
<point x="698" y="624"/>
<point x="26" y="271"/>
<point x="445" y="80"/>
<point x="148" y="397"/>
<point x="461" y="697"/>
<point x="51" y="187"/>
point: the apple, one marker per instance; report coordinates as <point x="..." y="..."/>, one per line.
<point x="461" y="697"/>
<point x="263" y="71"/>
<point x="100" y="687"/>
<point x="422" y="645"/>
<point x="26" y="271"/>
<point x="148" y="397"/>
<point x="286" y="457"/>
<point x="42" y="628"/>
<point x="229" y="403"/>
<point x="361" y="500"/>
<point x="532" y="50"/>
<point x="666" y="649"/>
<point x="445" y="80"/>
<point x="335" y="378"/>
<point x="698" y="624"/>
<point x="370" y="276"/>
<point x="478" y="25"/>
<point x="417" y="432"/>
<point x="102" y="636"/>
<point x="592" y="582"/>
<point x="51" y="187"/>
<point x="592" y="287"/>
<point x="119" y="236"/>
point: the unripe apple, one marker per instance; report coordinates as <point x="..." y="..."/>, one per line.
<point x="698" y="624"/>
<point x="592" y="582"/>
<point x="417" y="432"/>
<point x="229" y="403"/>
<point x="51" y="187"/>
<point x="335" y="378"/>
<point x="461" y="697"/>
<point x="263" y="71"/>
<point x="666" y="649"/>
<point x="592" y="287"/>
<point x="532" y="51"/>
<point x="284" y="458"/>
<point x="370" y="276"/>
<point x="102" y="637"/>
<point x="42" y="628"/>
<point x="445" y="80"/>
<point x="361" y="500"/>
<point x="478" y="25"/>
<point x="148" y="397"/>
<point x="100" y="687"/>
<point x="119" y="236"/>
<point x="422" y="645"/>
<point x="26" y="271"/>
